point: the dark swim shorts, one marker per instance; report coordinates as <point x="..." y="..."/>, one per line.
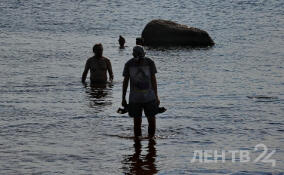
<point x="150" y="109"/>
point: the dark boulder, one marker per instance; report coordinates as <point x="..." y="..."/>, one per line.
<point x="167" y="33"/>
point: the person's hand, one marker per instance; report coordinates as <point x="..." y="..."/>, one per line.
<point x="111" y="79"/>
<point x="84" y="83"/>
<point x="124" y="103"/>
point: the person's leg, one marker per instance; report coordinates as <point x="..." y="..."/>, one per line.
<point x="135" y="111"/>
<point x="137" y="126"/>
<point x="151" y="126"/>
<point x="150" y="110"/>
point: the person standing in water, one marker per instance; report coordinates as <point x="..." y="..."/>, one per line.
<point x="98" y="66"/>
<point x="121" y="42"/>
<point x="141" y="71"/>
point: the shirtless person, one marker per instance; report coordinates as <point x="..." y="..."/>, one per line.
<point x="98" y="66"/>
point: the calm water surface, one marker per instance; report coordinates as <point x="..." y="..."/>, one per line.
<point x="51" y="124"/>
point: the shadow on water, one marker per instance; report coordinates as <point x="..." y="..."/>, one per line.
<point x="141" y="164"/>
<point x="98" y="95"/>
<point x="263" y="98"/>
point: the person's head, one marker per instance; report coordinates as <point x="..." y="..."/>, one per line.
<point x="140" y="41"/>
<point x="138" y="52"/>
<point x="121" y="41"/>
<point x="98" y="49"/>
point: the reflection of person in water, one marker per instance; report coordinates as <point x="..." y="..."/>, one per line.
<point x="98" y="66"/>
<point x="98" y="95"/>
<point x="139" y="164"/>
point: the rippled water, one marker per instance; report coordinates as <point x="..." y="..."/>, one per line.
<point x="51" y="124"/>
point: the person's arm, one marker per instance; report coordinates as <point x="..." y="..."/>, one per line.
<point x="109" y="68"/>
<point x="154" y="80"/>
<point x="124" y="90"/>
<point x="85" y="73"/>
<point x="154" y="85"/>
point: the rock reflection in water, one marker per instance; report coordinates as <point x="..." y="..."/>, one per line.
<point x="141" y="164"/>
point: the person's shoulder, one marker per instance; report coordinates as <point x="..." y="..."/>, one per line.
<point x="149" y="60"/>
<point x="129" y="62"/>
<point x="106" y="59"/>
<point x="89" y="59"/>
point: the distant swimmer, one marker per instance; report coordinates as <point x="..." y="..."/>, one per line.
<point x="121" y="42"/>
<point x="98" y="66"/>
<point x="141" y="71"/>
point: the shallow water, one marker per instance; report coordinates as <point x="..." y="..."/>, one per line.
<point x="51" y="124"/>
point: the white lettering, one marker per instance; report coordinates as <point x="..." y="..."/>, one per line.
<point x="208" y="156"/>
<point x="221" y="156"/>
<point x="197" y="155"/>
<point x="262" y="154"/>
<point x="233" y="155"/>
<point x="266" y="158"/>
<point x="244" y="156"/>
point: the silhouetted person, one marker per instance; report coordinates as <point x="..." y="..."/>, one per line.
<point x="121" y="41"/>
<point x="140" y="41"/>
<point x="98" y="66"/>
<point x="139" y="164"/>
<point x="143" y="90"/>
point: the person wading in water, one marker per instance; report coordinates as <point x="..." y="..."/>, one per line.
<point x="141" y="71"/>
<point x="98" y="66"/>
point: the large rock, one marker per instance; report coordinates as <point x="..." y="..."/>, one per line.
<point x="167" y="33"/>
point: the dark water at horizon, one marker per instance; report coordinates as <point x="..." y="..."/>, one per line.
<point x="51" y="124"/>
